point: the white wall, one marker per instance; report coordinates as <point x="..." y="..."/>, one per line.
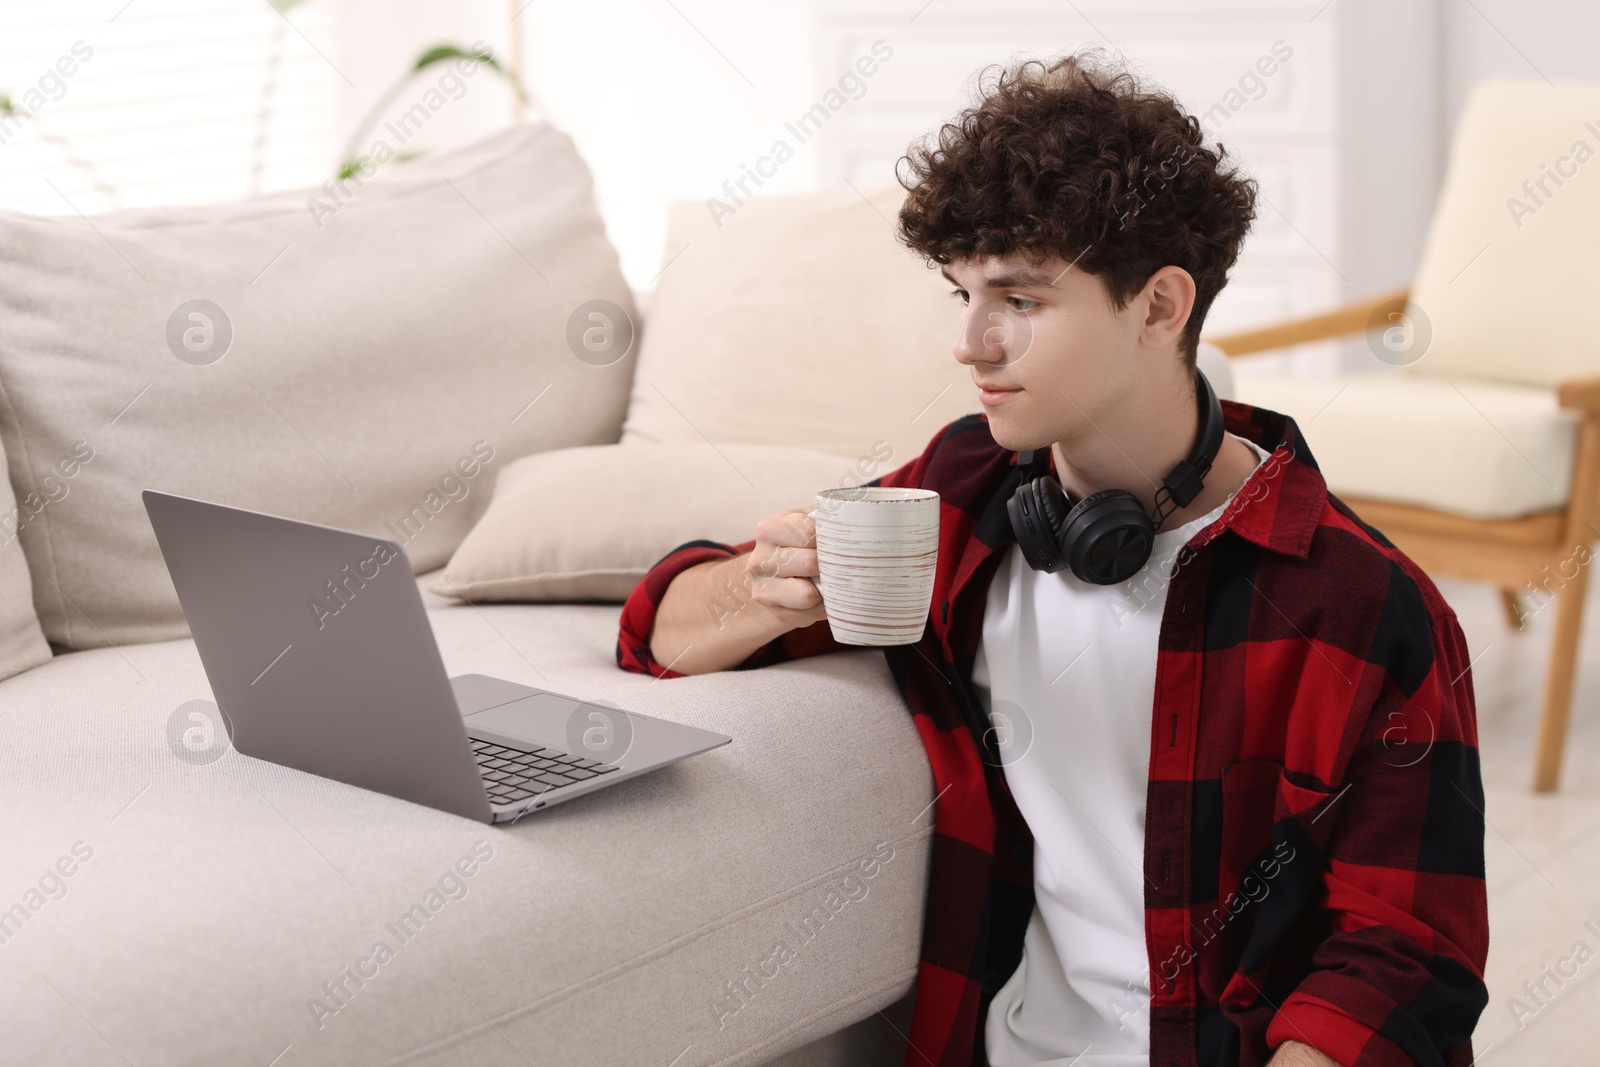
<point x="1554" y="40"/>
<point x="1391" y="151"/>
<point x="374" y="41"/>
<point x="658" y="100"/>
<point x="1407" y="71"/>
<point x="665" y="101"/>
<point x="668" y="99"/>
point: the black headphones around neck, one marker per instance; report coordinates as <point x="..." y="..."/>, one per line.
<point x="1106" y="537"/>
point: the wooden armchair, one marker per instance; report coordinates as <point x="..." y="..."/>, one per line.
<point x="1509" y="553"/>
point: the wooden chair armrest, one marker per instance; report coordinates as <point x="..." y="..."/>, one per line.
<point x="1352" y="318"/>
<point x="1580" y="393"/>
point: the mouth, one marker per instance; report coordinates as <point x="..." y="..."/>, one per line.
<point x="991" y="395"/>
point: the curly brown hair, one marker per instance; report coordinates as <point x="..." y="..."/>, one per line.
<point x="1075" y="158"/>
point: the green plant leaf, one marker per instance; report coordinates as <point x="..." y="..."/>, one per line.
<point x="437" y="54"/>
<point x="351" y="167"/>
<point x="441" y="52"/>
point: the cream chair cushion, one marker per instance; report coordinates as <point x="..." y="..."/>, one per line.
<point x="1482" y="449"/>
<point x="800" y="321"/>
<point x="1507" y="274"/>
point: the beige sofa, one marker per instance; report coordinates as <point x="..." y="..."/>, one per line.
<point x="163" y="906"/>
<point x="163" y="902"/>
<point x="218" y="901"/>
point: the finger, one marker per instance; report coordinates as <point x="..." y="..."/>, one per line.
<point x="790" y="528"/>
<point x="782" y="562"/>
<point x="796" y="594"/>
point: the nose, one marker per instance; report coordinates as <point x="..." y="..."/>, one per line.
<point x="984" y="335"/>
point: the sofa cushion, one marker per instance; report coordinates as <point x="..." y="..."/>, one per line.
<point x="587" y="523"/>
<point x="639" y="501"/>
<point x="364" y="358"/>
<point x="799" y="321"/>
<point x="22" y="643"/>
<point x="1510" y="245"/>
<point x="624" y="927"/>
<point x="1481" y="449"/>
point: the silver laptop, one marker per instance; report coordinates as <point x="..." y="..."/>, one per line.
<point x="321" y="658"/>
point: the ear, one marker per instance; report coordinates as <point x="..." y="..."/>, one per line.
<point x="1168" y="298"/>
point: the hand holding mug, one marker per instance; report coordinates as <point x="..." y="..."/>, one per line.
<point x="783" y="568"/>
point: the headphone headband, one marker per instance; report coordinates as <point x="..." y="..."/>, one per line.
<point x="1184" y="481"/>
<point x="1107" y="537"/>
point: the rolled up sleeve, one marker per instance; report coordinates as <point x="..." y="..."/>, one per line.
<point x="639" y="615"/>
<point x="639" y="610"/>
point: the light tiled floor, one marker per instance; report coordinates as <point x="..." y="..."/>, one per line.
<point x="1543" y="851"/>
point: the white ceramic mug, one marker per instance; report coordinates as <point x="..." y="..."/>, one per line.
<point x="877" y="548"/>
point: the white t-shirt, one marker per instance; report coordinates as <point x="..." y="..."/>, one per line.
<point x="1070" y="668"/>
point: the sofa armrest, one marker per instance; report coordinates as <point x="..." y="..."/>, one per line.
<point x="1352" y="318"/>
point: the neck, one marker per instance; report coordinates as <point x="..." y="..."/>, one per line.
<point x="1134" y="446"/>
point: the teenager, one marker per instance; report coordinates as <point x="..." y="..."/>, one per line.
<point x="1208" y="785"/>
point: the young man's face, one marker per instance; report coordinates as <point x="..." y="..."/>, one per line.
<point x="1051" y="356"/>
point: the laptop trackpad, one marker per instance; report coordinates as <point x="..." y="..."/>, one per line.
<point x="478" y="692"/>
<point x="594" y="731"/>
<point x="543" y="719"/>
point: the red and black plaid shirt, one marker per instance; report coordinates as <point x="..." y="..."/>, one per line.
<point x="1313" y="851"/>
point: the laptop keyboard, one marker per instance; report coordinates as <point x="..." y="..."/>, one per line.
<point x="513" y="774"/>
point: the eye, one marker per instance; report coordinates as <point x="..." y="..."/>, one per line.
<point x="1018" y="302"/>
<point x="962" y="293"/>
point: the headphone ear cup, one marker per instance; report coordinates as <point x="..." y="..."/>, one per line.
<point x="1055" y="507"/>
<point x="1036" y="510"/>
<point x="1107" y="537"/>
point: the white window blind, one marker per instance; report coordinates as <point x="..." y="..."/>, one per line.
<point x="127" y="103"/>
